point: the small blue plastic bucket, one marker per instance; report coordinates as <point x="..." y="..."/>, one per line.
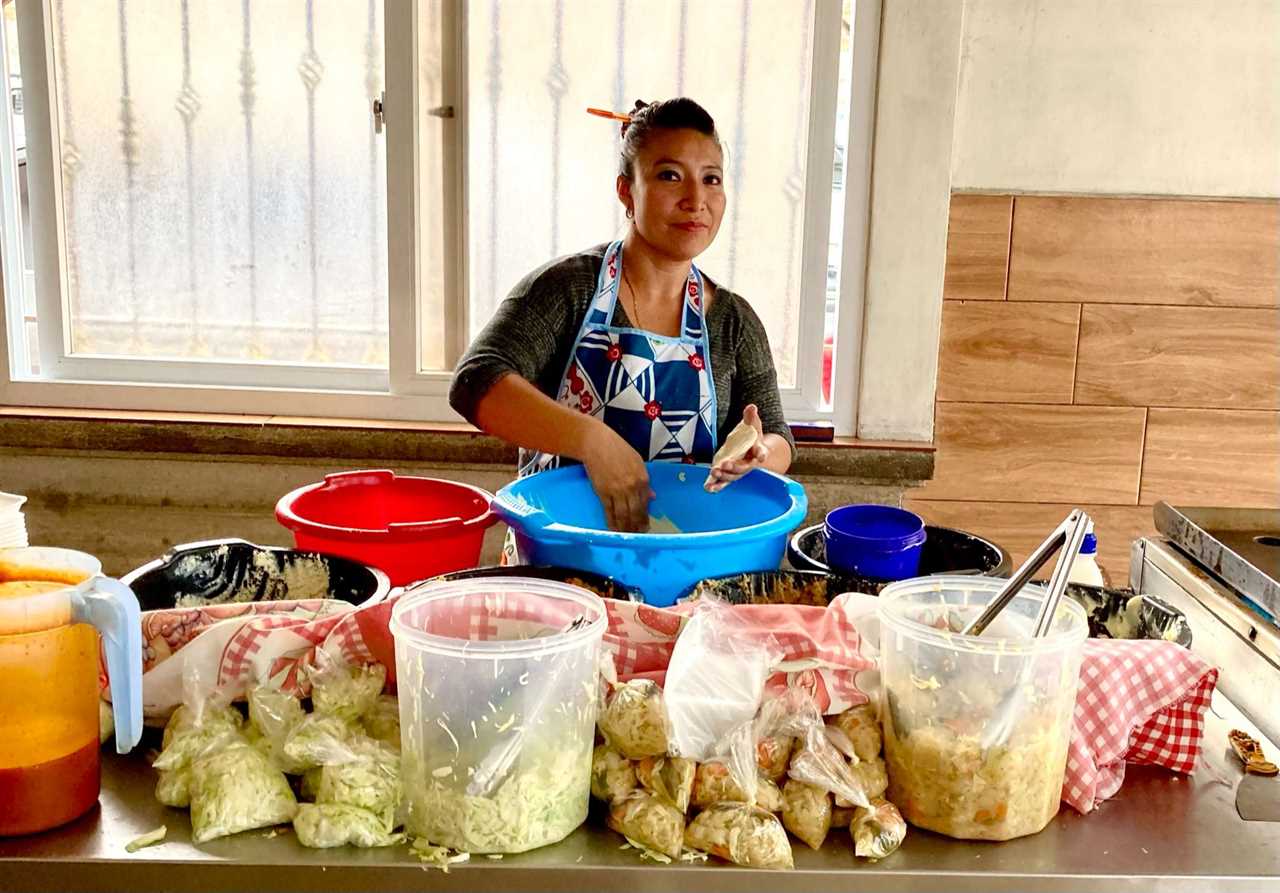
<point x="876" y="541"/>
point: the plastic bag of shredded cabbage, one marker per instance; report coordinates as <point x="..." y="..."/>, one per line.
<point x="340" y="689"/>
<point x="382" y="721"/>
<point x="371" y="781"/>
<point x="634" y="722"/>
<point x="274" y="714"/>
<point x="188" y="717"/>
<point x="649" y="821"/>
<point x="862" y="727"/>
<point x="745" y="835"/>
<point x="173" y="788"/>
<point x="191" y="744"/>
<point x="235" y="790"/>
<point x="670" y="779"/>
<point x="336" y="824"/>
<point x="319" y="740"/>
<point x="197" y="729"/>
<point x="613" y="776"/>
<point x="879" y="831"/>
<point x="203" y="706"/>
<point x="310" y="784"/>
<point x="806" y="812"/>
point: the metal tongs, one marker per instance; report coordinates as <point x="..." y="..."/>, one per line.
<point x="1068" y="536"/>
<point x="1066" y="539"/>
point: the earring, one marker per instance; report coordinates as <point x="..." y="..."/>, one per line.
<point x="631" y="213"/>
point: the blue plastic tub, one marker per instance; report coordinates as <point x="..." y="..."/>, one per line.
<point x="558" y="520"/>
<point x="876" y="541"/>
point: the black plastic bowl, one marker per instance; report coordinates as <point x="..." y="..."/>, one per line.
<point x="231" y="571"/>
<point x="946" y="551"/>
<point x="768" y="588"/>
<point x="1123" y="614"/>
<point x="605" y="587"/>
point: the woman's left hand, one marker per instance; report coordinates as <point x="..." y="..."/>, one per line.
<point x="729" y="470"/>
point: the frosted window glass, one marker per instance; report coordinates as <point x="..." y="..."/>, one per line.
<point x="223" y="191"/>
<point x="541" y="171"/>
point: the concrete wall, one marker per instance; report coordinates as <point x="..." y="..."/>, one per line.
<point x="1148" y="97"/>
<point x="910" y="191"/>
<point x="1159" y="97"/>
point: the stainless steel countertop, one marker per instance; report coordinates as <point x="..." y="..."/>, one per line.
<point x="1161" y="832"/>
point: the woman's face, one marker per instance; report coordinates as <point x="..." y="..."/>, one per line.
<point x="677" y="193"/>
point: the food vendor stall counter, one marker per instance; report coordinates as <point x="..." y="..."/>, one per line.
<point x="1161" y="832"/>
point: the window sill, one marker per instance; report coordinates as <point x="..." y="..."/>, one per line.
<point x="373" y="441"/>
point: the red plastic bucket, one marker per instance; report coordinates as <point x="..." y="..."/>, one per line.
<point x="411" y="528"/>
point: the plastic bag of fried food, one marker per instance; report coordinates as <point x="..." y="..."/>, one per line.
<point x="635" y="722"/>
<point x="742" y="834"/>
<point x="670" y="779"/>
<point x="861" y="726"/>
<point x="715" y="781"/>
<point x="613" y="776"/>
<point x="879" y="831"/>
<point x="806" y="812"/>
<point x="773" y="755"/>
<point x="645" y="819"/>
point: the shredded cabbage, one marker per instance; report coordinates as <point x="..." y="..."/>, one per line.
<point x="635" y="720"/>
<point x="339" y="689"/>
<point x="613" y="776"/>
<point x="319" y="741"/>
<point x="235" y="790"/>
<point x="274" y="714"/>
<point x="371" y="782"/>
<point x="337" y="824"/>
<point x="382" y="720"/>
<point x="542" y="801"/>
<point x="152" y="837"/>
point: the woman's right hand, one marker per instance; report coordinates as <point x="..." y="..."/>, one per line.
<point x="618" y="475"/>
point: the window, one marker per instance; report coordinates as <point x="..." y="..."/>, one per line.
<point x="201" y="211"/>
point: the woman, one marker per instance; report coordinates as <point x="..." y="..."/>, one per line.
<point x="626" y="352"/>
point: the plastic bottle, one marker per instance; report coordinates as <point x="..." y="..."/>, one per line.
<point x="1085" y="567"/>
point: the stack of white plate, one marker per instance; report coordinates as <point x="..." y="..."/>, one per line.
<point x="13" y="526"/>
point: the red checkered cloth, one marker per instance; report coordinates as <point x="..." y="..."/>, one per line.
<point x="1139" y="702"/>
<point x="821" y="649"/>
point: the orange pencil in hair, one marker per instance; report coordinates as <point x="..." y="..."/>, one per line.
<point x="604" y="113"/>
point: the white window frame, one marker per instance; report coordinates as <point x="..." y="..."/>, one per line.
<point x="405" y="392"/>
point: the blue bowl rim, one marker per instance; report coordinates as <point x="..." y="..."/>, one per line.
<point x="903" y="541"/>
<point x="524" y="515"/>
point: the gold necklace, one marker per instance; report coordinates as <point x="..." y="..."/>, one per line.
<point x="635" y="300"/>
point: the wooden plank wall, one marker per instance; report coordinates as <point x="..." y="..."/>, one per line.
<point x="1106" y="353"/>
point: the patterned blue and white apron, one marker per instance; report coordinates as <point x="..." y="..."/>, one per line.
<point x="654" y="390"/>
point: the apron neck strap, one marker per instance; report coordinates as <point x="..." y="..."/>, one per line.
<point x="608" y="287"/>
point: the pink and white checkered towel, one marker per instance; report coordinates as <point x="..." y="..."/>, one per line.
<point x="1139" y="702"/>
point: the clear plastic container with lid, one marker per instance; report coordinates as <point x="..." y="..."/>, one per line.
<point x="498" y="684"/>
<point x="945" y="693"/>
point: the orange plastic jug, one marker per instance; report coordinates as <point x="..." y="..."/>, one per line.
<point x="55" y="607"/>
